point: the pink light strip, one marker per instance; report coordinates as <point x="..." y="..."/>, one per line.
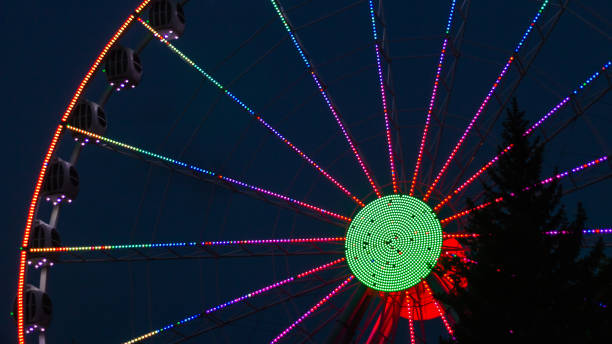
<point x="312" y="309"/>
<point x="251" y="112"/>
<point x="384" y="99"/>
<point x="484" y="104"/>
<point x="542" y="182"/>
<point x="440" y="311"/>
<point x="432" y="101"/>
<point x="196" y="169"/>
<point x="410" y="319"/>
<point x="315" y="77"/>
<point x="228" y="303"/>
<point x="554" y="110"/>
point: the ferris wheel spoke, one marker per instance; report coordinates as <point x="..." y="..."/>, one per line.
<point x="189" y="250"/>
<point x="530" y="130"/>
<point x="523" y="63"/>
<point x="253" y="114"/>
<point x="214" y="319"/>
<point x="207" y="175"/>
<point x="323" y="90"/>
<point x="432" y="100"/>
<point x="526" y="188"/>
<point x="381" y="82"/>
<point x="439" y="309"/>
<point x="410" y="319"/>
<point x="484" y="103"/>
<point x="313" y="309"/>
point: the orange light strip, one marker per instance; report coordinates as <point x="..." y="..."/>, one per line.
<point x="43" y="170"/>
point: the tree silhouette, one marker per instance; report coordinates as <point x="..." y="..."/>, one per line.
<point x="529" y="286"/>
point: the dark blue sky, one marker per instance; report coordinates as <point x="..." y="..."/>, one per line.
<point x="49" y="46"/>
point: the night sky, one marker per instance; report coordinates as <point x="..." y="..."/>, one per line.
<point x="49" y="46"/>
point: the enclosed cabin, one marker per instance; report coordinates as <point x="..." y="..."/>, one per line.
<point x="89" y="116"/>
<point x="37" y="309"/>
<point x="123" y="68"/>
<point x="61" y="182"/>
<point x="42" y="235"/>
<point x="167" y="18"/>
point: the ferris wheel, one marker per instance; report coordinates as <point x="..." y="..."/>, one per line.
<point x="337" y="232"/>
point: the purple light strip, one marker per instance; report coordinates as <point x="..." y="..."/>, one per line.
<point x="552" y="111"/>
<point x="584" y="231"/>
<point x="315" y="77"/>
<point x="312" y="309"/>
<point x="206" y="172"/>
<point x="484" y="103"/>
<point x="432" y="101"/>
<point x="250" y="111"/>
<point x="231" y="302"/>
<point x="384" y="99"/>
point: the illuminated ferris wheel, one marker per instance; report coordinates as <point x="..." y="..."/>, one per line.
<point x="373" y="279"/>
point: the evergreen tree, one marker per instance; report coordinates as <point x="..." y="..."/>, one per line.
<point x="528" y="286"/>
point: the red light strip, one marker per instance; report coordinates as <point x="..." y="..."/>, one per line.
<point x="468" y="211"/>
<point x="322" y="90"/>
<point x="440" y="311"/>
<point x="43" y="170"/>
<point x="552" y="111"/>
<point x="472" y="178"/>
<point x="432" y="101"/>
<point x="462" y="259"/>
<point x="410" y="319"/>
<point x="312" y="309"/>
<point x="322" y="267"/>
<point x="484" y="103"/>
<point x="542" y="182"/>
<point x="254" y="115"/>
<point x="383" y="98"/>
<point x="460" y="235"/>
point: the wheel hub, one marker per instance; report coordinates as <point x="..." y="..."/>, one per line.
<point x="393" y="243"/>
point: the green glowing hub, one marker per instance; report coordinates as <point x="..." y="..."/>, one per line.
<point x="393" y="243"/>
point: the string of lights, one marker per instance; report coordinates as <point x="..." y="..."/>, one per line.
<point x="554" y="110"/>
<point x="231" y="302"/>
<point x="312" y="309"/>
<point x="440" y="311"/>
<point x="542" y="182"/>
<point x="484" y="103"/>
<point x="251" y="112"/>
<point x="196" y="169"/>
<point x="432" y="100"/>
<point x="323" y="91"/>
<point x="384" y="99"/>
<point x="34" y="202"/>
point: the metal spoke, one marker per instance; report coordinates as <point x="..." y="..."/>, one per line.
<point x="206" y="174"/>
<point x="233" y="301"/>
<point x="313" y="309"/>
<point x="251" y="112"/>
<point x="432" y="100"/>
<point x="484" y="103"/>
<point x="526" y="188"/>
<point x="381" y="81"/>
<point x="323" y="90"/>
